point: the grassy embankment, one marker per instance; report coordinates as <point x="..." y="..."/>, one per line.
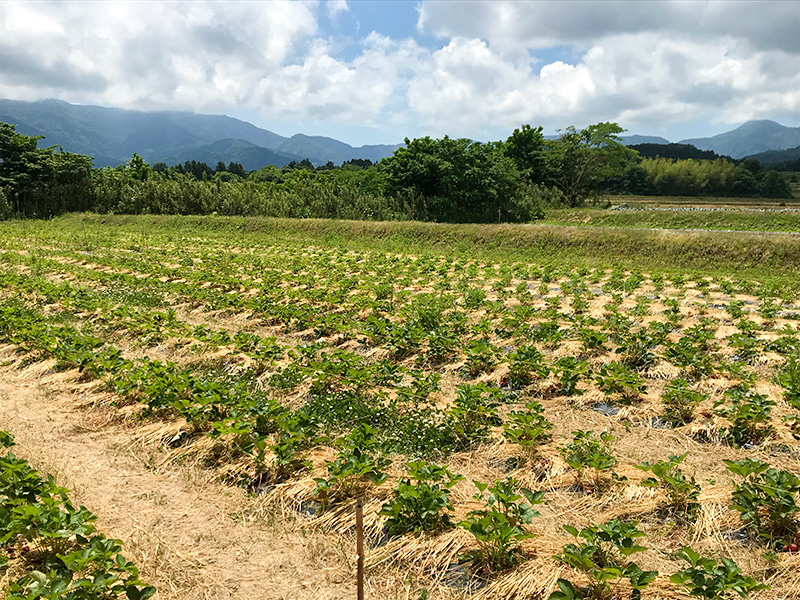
<point x="772" y="257"/>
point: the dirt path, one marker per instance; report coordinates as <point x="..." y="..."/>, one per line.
<point x="191" y="537"/>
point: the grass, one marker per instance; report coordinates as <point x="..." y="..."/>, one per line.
<point x="748" y="255"/>
<point x="658" y="218"/>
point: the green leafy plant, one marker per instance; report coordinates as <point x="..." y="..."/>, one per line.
<point x="73" y="560"/>
<point x="590" y="455"/>
<point x="680" y="401"/>
<point x="358" y="463"/>
<point x="748" y="413"/>
<point x="682" y="492"/>
<point x="498" y="526"/>
<point x="789" y="379"/>
<point x="472" y="414"/>
<point x="766" y="500"/>
<point x="481" y="356"/>
<point x="528" y="428"/>
<point x="570" y="371"/>
<point x="525" y="364"/>
<point x="705" y="578"/>
<point x="420" y="506"/>
<point x="626" y="384"/>
<point x="601" y="554"/>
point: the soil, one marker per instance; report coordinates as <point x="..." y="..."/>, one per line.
<point x="190" y="536"/>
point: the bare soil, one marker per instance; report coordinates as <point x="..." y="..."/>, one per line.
<point x="190" y="536"/>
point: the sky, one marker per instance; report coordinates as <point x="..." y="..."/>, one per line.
<point x="377" y="71"/>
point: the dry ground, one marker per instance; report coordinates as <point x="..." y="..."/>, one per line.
<point x="191" y="537"/>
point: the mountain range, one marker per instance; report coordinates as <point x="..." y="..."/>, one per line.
<point x="112" y="135"/>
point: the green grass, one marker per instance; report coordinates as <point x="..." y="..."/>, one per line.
<point x="667" y="219"/>
<point x="747" y="255"/>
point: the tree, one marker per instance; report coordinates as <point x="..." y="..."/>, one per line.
<point x="138" y="168"/>
<point x="237" y="169"/>
<point x="526" y="147"/>
<point x="774" y="186"/>
<point x="452" y="180"/>
<point x="578" y="161"/>
<point x="40" y="181"/>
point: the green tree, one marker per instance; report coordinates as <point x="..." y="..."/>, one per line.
<point x="453" y="180"/>
<point x="40" y="181"/>
<point x="526" y="147"/>
<point x="578" y="161"/>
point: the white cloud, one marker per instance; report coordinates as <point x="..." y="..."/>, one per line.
<point x="767" y="25"/>
<point x="640" y="63"/>
<point x="335" y="7"/>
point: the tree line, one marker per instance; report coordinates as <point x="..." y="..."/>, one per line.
<point x="445" y="180"/>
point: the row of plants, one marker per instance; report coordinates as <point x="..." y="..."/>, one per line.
<point x="51" y="550"/>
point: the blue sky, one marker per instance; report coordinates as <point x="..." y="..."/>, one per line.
<point x="378" y="71"/>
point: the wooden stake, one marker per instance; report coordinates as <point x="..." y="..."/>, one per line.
<point x="360" y="551"/>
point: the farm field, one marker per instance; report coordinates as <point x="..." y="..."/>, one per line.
<point x="477" y="387"/>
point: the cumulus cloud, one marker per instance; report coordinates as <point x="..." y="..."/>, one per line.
<point x="498" y="64"/>
<point x="335" y="7"/>
<point x="767" y="25"/>
<point x="151" y="55"/>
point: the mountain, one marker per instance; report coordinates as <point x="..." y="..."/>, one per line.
<point x="250" y="156"/>
<point x="772" y="157"/>
<point x="328" y="149"/>
<point x="632" y="140"/>
<point x="750" y="138"/>
<point x="112" y="135"/>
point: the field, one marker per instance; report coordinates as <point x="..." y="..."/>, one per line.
<point x="237" y="385"/>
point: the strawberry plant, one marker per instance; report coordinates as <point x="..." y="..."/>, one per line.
<point x="682" y="492"/>
<point x="635" y="348"/>
<point x="472" y="414"/>
<point x="680" y="401"/>
<point x="593" y="340"/>
<point x="73" y="560"/>
<point x="789" y="379"/>
<point x="766" y="500"/>
<point x="481" y="356"/>
<point x="525" y="364"/>
<point x="359" y="461"/>
<point x="616" y="378"/>
<point x="748" y="414"/>
<point x="570" y="370"/>
<point x="600" y="553"/>
<point x="588" y="451"/>
<point x="420" y="506"/>
<point x="528" y="428"/>
<point x="705" y="578"/>
<point x="498" y="526"/>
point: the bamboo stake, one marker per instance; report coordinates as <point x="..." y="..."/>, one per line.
<point x="359" y="551"/>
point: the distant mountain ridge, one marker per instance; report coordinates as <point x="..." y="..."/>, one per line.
<point x="750" y="138"/>
<point x="112" y="135"/>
